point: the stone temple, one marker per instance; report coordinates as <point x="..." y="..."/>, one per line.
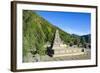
<point x="61" y="49"/>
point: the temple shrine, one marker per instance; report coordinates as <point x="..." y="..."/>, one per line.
<point x="61" y="49"/>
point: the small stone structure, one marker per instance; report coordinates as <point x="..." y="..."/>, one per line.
<point x="61" y="49"/>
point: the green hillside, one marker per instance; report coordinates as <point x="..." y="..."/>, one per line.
<point x="37" y="32"/>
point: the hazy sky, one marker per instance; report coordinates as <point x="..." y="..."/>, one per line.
<point x="71" y="22"/>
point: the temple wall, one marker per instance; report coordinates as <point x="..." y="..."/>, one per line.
<point x="68" y="52"/>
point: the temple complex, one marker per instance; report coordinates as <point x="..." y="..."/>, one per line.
<point x="61" y="49"/>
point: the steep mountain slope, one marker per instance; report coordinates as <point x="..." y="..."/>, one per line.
<point x="87" y="38"/>
<point x="36" y="32"/>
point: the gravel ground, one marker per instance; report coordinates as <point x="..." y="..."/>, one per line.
<point x="76" y="57"/>
<point x="45" y="58"/>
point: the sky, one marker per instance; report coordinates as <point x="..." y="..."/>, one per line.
<point x="71" y="22"/>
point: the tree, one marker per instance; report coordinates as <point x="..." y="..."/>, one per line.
<point x="83" y="41"/>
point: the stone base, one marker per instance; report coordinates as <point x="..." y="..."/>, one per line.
<point x="60" y="55"/>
